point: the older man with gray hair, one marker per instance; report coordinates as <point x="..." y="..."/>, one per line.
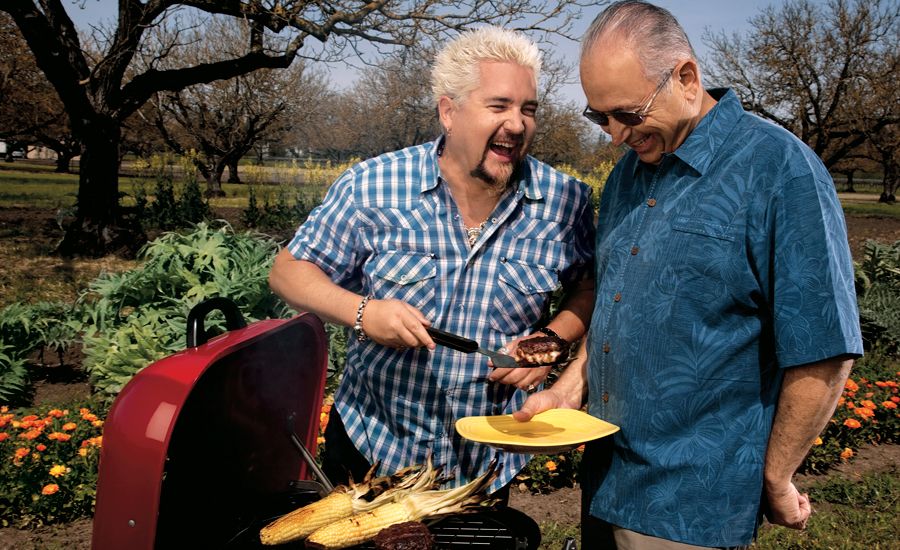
<point x="725" y="322"/>
<point x="467" y="234"/>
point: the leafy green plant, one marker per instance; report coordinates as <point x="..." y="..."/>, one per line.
<point x="134" y="318"/>
<point x="548" y="472"/>
<point x="29" y="328"/>
<point x="878" y="292"/>
<point x="48" y="471"/>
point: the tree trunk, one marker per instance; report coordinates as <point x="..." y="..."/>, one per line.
<point x="63" y="162"/>
<point x="233" y="176"/>
<point x="214" y="181"/>
<point x="98" y="228"/>
<point x="850" y="188"/>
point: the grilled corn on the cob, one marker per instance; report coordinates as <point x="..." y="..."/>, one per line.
<point x="345" y="501"/>
<point x="362" y="527"/>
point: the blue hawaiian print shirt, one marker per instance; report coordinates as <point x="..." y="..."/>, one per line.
<point x="388" y="227"/>
<point x="716" y="269"/>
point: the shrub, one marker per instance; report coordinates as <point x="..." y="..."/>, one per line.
<point x="29" y="328"/>
<point x="135" y="318"/>
<point x="48" y="465"/>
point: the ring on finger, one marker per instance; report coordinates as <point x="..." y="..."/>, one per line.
<point x="530" y="387"/>
<point x="503" y="350"/>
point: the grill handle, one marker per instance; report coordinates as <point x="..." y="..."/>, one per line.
<point x="196" y="334"/>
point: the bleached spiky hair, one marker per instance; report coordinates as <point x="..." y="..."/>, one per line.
<point x="456" y="68"/>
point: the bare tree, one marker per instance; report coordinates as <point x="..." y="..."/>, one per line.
<point x="30" y="110"/>
<point x="217" y="123"/>
<point x="801" y="64"/>
<point x="99" y="94"/>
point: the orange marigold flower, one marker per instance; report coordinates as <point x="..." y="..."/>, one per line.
<point x="41" y="447"/>
<point x="889" y="405"/>
<point x="841" y="401"/>
<point x="56" y="413"/>
<point x="22" y="452"/>
<point x="869" y="394"/>
<point x="847" y="454"/>
<point x="50" y="489"/>
<point x="97" y="423"/>
<point x="868" y="404"/>
<point x="550" y="465"/>
<point x="31" y="434"/>
<point x="852" y="423"/>
<point x="851" y="385"/>
<point x="895" y="399"/>
<point x="89" y="417"/>
<point x="580" y="448"/>
<point x="58" y="470"/>
<point x="851" y="405"/>
<point x="881" y="384"/>
<point x="3" y="436"/>
<point x="59" y="436"/>
<point x="83" y="451"/>
<point x="4" y="409"/>
<point x="864" y="412"/>
<point x="320" y="440"/>
<point x="818" y="441"/>
<point x="69" y="426"/>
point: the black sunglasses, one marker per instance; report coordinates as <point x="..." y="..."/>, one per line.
<point x="628" y="118"/>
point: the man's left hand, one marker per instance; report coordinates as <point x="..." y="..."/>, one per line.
<point x="524" y="378"/>
<point x="788" y="507"/>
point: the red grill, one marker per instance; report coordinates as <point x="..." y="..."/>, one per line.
<point x="204" y="447"/>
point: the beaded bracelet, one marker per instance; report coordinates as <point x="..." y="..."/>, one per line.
<point x="358" y="327"/>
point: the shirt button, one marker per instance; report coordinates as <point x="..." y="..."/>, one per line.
<point x="634" y="250"/>
<point x="618" y="296"/>
<point x="651" y="203"/>
<point x="606" y="397"/>
<point x="606" y="347"/>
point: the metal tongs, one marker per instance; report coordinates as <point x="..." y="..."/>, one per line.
<point x="465" y="345"/>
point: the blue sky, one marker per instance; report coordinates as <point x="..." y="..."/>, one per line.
<point x="694" y="15"/>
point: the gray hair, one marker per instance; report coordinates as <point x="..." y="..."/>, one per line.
<point x="456" y="71"/>
<point x="652" y="32"/>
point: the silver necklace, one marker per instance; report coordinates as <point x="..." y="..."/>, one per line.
<point x="474" y="233"/>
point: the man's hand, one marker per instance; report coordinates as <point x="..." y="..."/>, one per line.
<point x="524" y="378"/>
<point x="788" y="507"/>
<point x="396" y="324"/>
<point x="538" y="403"/>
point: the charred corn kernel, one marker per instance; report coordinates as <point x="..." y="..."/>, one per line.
<point x="303" y="521"/>
<point x="359" y="528"/>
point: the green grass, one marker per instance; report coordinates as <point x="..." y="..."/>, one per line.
<point x="847" y="514"/>
<point x="872" y="209"/>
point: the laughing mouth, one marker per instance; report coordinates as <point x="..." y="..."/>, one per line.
<point x="504" y="147"/>
<point x="639" y="142"/>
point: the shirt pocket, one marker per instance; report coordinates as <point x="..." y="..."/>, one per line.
<point x="521" y="295"/>
<point x="701" y="260"/>
<point x="405" y="276"/>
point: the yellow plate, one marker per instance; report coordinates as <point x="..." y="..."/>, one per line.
<point x="552" y="431"/>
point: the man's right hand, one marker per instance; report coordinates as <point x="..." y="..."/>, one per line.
<point x="396" y="324"/>
<point x="540" y="402"/>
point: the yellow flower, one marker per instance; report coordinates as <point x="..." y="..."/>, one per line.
<point x="818" y="441"/>
<point x="97" y="423"/>
<point x="58" y="470"/>
<point x="847" y="454"/>
<point x="83" y="451"/>
<point x="550" y="465"/>
<point x="50" y="489"/>
<point x="69" y="426"/>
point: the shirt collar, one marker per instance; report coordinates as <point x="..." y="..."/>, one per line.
<point x="525" y="184"/>
<point x="700" y="147"/>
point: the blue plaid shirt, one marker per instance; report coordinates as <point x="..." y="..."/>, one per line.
<point x="716" y="269"/>
<point x="388" y="227"/>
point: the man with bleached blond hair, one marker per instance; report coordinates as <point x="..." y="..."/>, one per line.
<point x="467" y="234"/>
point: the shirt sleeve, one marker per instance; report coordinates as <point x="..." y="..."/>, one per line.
<point x="327" y="237"/>
<point x="812" y="291"/>
<point x="584" y="231"/>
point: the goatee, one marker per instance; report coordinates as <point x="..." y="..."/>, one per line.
<point x="500" y="182"/>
